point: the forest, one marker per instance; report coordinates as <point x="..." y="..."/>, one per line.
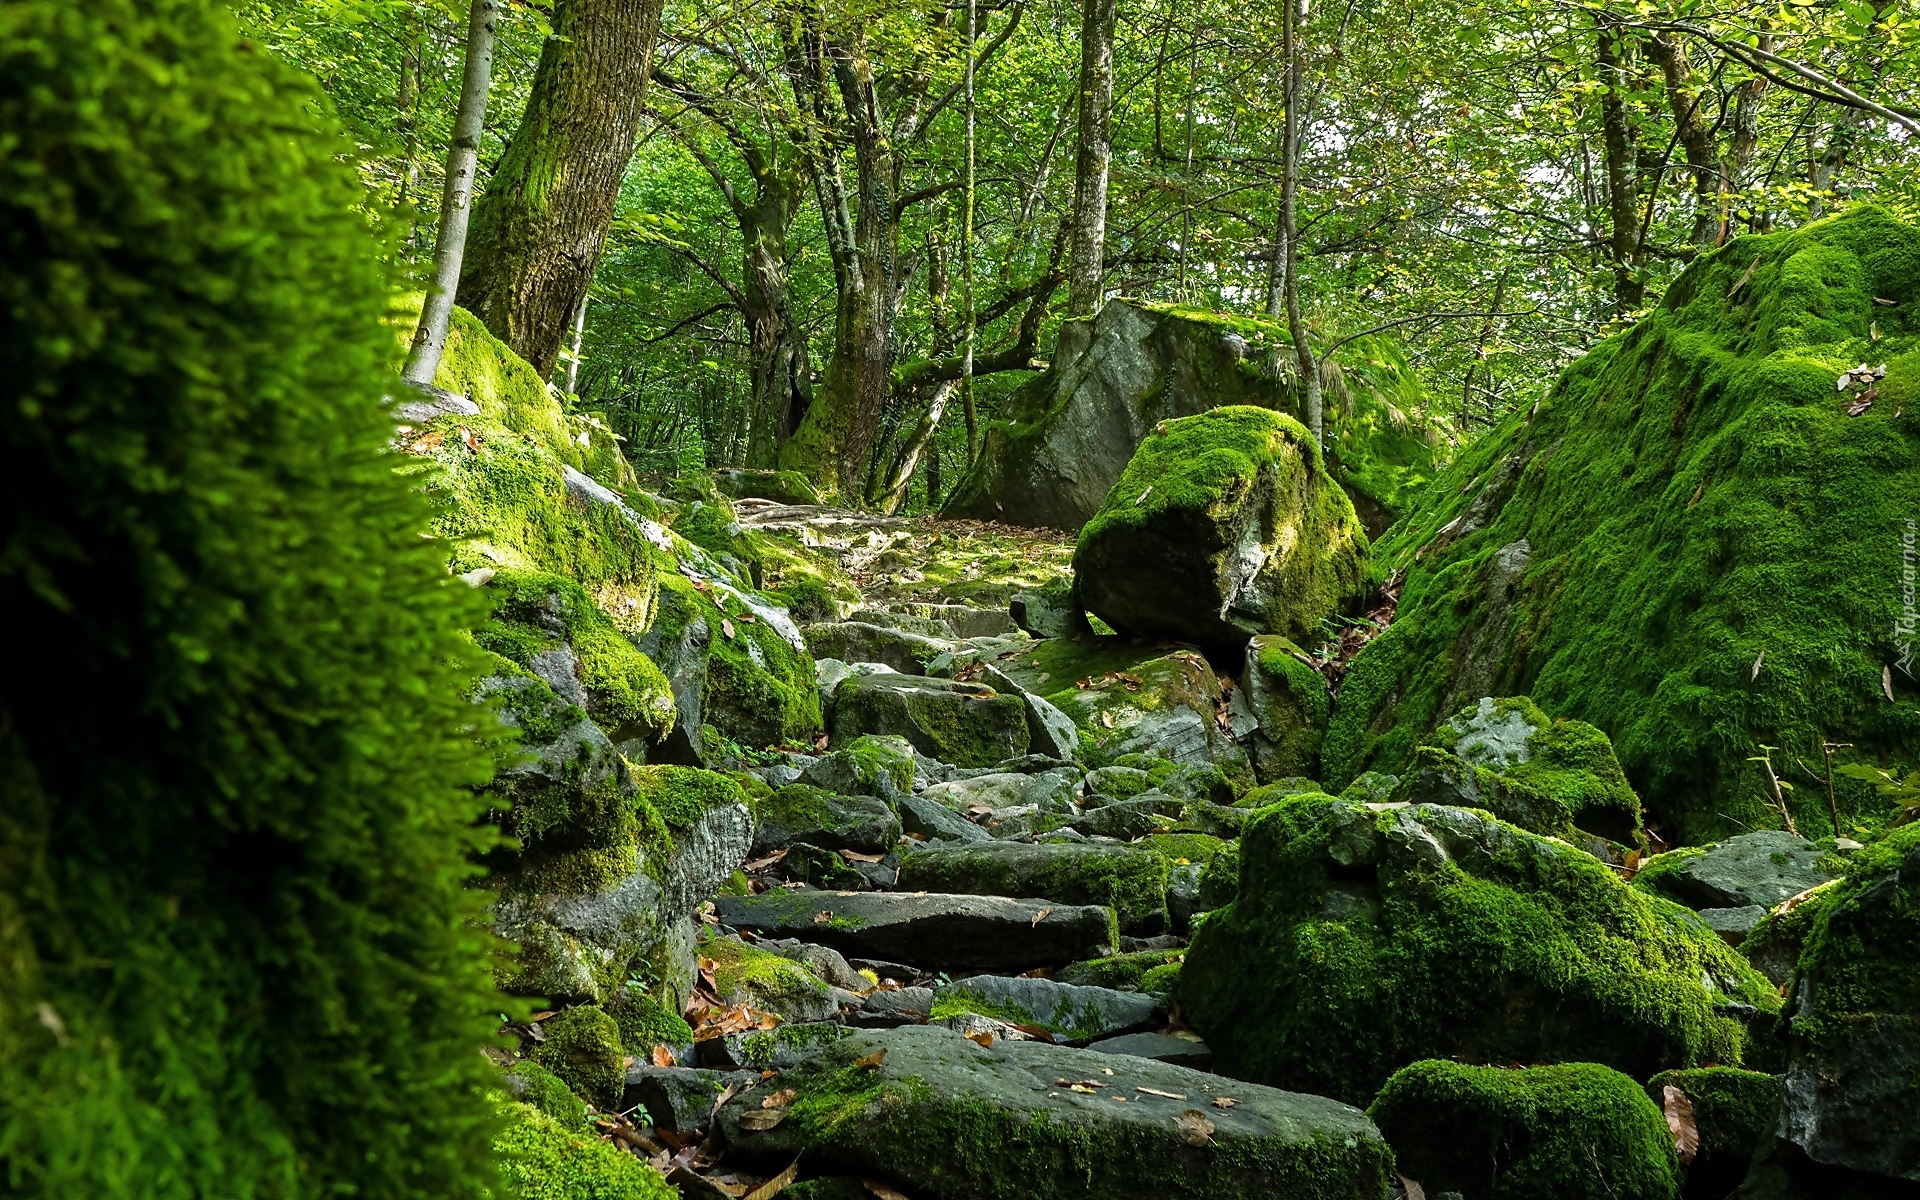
<point x="960" y="599"/>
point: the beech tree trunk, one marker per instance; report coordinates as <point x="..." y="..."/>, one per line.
<point x="1093" y="151"/>
<point x="543" y="223"/>
<point x="1623" y="193"/>
<point x="456" y="199"/>
<point x="1310" y="397"/>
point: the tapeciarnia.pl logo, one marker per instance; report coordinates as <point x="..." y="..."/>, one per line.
<point x="1906" y="623"/>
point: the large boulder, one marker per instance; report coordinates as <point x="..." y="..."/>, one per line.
<point x="966" y="724"/>
<point x="1223" y="525"/>
<point x="1067" y="434"/>
<point x="947" y="1117"/>
<point x="1853" y="1083"/>
<point x="1063" y="1011"/>
<point x="1363" y="940"/>
<point x="1761" y="869"/>
<point x="1686" y="544"/>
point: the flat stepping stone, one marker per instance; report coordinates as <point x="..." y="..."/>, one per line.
<point x="1073" y="1012"/>
<point x="941" y="1115"/>
<point x="946" y="932"/>
<point x="1160" y="1047"/>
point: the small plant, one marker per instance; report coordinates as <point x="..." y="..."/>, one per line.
<point x="1904" y="792"/>
<point x="1778" y="787"/>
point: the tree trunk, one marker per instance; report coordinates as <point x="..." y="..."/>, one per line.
<point x="1093" y="150"/>
<point x="776" y="350"/>
<point x="1310" y="406"/>
<point x="1695" y="134"/>
<point x="1740" y="146"/>
<point x="543" y="222"/>
<point x="456" y="200"/>
<point x="1617" y="138"/>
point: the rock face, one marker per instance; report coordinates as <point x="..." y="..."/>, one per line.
<point x="1223" y="525"/>
<point x="1578" y="1131"/>
<point x="1761" y="868"/>
<point x="1069" y="1012"/>
<point x="944" y="1116"/>
<point x="1130" y="880"/>
<point x="1070" y="432"/>
<point x="799" y="812"/>
<point x="1549" y="560"/>
<point x="1855" y="1010"/>
<point x="1553" y="777"/>
<point x="980" y="933"/>
<point x="1360" y="941"/>
<point x="966" y="724"/>
<point x="1287" y="700"/>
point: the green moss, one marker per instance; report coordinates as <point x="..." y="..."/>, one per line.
<point x="1692" y="493"/>
<point x="744" y="974"/>
<point x="963" y="729"/>
<point x="683" y="795"/>
<point x="543" y="1160"/>
<point x="645" y="1023"/>
<point x="1221" y="882"/>
<point x="1353" y="946"/>
<point x="533" y="1084"/>
<point x="1861" y="959"/>
<point x="1184" y="847"/>
<point x="1292" y="705"/>
<point x="758" y="688"/>
<point x="799" y="806"/>
<point x="1122" y="972"/>
<point x="1733" y="1109"/>
<point x="1132" y="882"/>
<point x="582" y="1047"/>
<point x="1370" y="787"/>
<point x="1578" y="1132"/>
<point x="1162" y="980"/>
<point x="1081" y="1024"/>
<point x="760" y="1049"/>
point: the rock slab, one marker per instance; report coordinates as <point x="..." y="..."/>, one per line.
<point x="946" y="932"/>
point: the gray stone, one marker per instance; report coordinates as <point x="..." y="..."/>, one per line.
<point x="1118" y="783"/>
<point x="774" y="1049"/>
<point x="803" y="813"/>
<point x="680" y="1099"/>
<point x="1159" y="1046"/>
<point x="931" y="627"/>
<point x="1129" y="819"/>
<point x="1763" y="868"/>
<point x="1733" y="924"/>
<point x="1183" y="894"/>
<point x="1131" y="879"/>
<point x="897" y="1006"/>
<point x="1072" y="1012"/>
<point x="427" y="402"/>
<point x="922" y="1126"/>
<point x="1148" y="702"/>
<point x="824" y="961"/>
<point x="1288" y="703"/>
<point x="857" y="641"/>
<point x="1051" y="791"/>
<point x="943" y="932"/>
<point x="1048" y="613"/>
<point x="971" y="622"/>
<point x="868" y="766"/>
<point x="967" y="724"/>
<point x="932" y="819"/>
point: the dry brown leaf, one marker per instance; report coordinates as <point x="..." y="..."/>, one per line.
<point x="1194" y="1128"/>
<point x="1886" y="681"/>
<point x="1224" y="1102"/>
<point x="662" y="1056"/>
<point x="779" y="1099"/>
<point x="823" y="916"/>
<point x="882" y="1190"/>
<point x="983" y="1037"/>
<point x="1039" y="917"/>
<point x="1686" y="1135"/>
<point x="1157" y="1092"/>
<point x="427" y="441"/>
<point x="1106" y="719"/>
<point x="872" y="1062"/>
<point x="1742" y="281"/>
<point x="466" y="435"/>
<point x="726" y="627"/>
<point x="1082" y="1088"/>
<point x="1414" y="1190"/>
<point x="759" y="1120"/>
<point x="731" y="1090"/>
<point x="773" y="1187"/>
<point x="1699" y="488"/>
<point x="856" y="856"/>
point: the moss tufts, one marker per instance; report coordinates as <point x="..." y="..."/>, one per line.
<point x="543" y="1160"/>
<point x="1574" y="1132"/>
<point x="582" y="1047"/>
<point x="1122" y="972"/>
<point x="533" y="1084"/>
<point x="645" y="1023"/>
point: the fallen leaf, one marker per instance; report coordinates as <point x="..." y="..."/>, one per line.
<point x="823" y="916"/>
<point x="1120" y="1098"/>
<point x="1157" y="1092"/>
<point x="662" y="1056"/>
<point x="856" y="856"/>
<point x="426" y="442"/>
<point x="1224" y="1102"/>
<point x="726" y="627"/>
<point x="1633" y="861"/>
<point x="1760" y="658"/>
<point x="1081" y="1088"/>
<point x="779" y="1099"/>
<point x="1413" y="1189"/>
<point x="773" y="1187"/>
<point x="1039" y="917"/>
<point x="1194" y="1128"/>
<point x="1886" y="681"/>
<point x="1873" y="331"/>
<point x="872" y="1061"/>
<point x="1864" y="403"/>
<point x="1742" y="281"/>
<point x="1106" y="1070"/>
<point x="730" y="1091"/>
<point x="882" y="1190"/>
<point x="1686" y="1135"/>
<point x="1143" y="495"/>
<point x="541" y="1016"/>
<point x="1106" y="719"/>
<point x="759" y="1120"/>
<point x="466" y="435"/>
<point x="1696" y="493"/>
<point x="1881" y="300"/>
<point x="983" y="1037"/>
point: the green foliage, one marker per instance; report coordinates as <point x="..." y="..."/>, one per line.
<point x="1355" y="946"/>
<point x="544" y="1160"/>
<point x="1862" y="953"/>
<point x="1902" y="793"/>
<point x="1580" y="1131"/>
<point x="236" y="816"/>
<point x="1693" y="495"/>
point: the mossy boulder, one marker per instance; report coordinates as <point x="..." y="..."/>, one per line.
<point x="1686" y="545"/>
<point x="1855" y="1018"/>
<point x="944" y="1116"/>
<point x="869" y="765"/>
<point x="582" y="1048"/>
<point x="530" y="1083"/>
<point x="1066" y="1012"/>
<point x="965" y="724"/>
<point x="1553" y="777"/>
<point x="541" y="1159"/>
<point x="1290" y="704"/>
<point x="799" y="812"/>
<point x="1578" y="1131"/>
<point x="783" y="487"/>
<point x="744" y="974"/>
<point x="1360" y="941"/>
<point x="1733" y="1111"/>
<point x="1761" y="868"/>
<point x="1122" y="972"/>
<point x="1223" y="525"/>
<point x="1128" y="879"/>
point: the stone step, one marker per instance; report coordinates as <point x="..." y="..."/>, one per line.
<point x="938" y="931"/>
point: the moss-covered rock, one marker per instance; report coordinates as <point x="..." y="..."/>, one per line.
<point x="785" y="487"/>
<point x="1120" y="971"/>
<point x="1733" y="1111"/>
<point x="944" y="1116"/>
<point x="966" y="724"/>
<point x="1223" y="525"/>
<point x="582" y="1047"/>
<point x="800" y="812"/>
<point x="1290" y="703"/>
<point x="1130" y="880"/>
<point x="531" y="1083"/>
<point x="1691" y="495"/>
<point x="869" y="765"/>
<point x="743" y="974"/>
<point x="1360" y="941"/>
<point x="543" y="1160"/>
<point x="1579" y="1131"/>
<point x="645" y="1022"/>
<point x="1066" y="1011"/>
<point x="1855" y="1018"/>
<point x="1553" y="777"/>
